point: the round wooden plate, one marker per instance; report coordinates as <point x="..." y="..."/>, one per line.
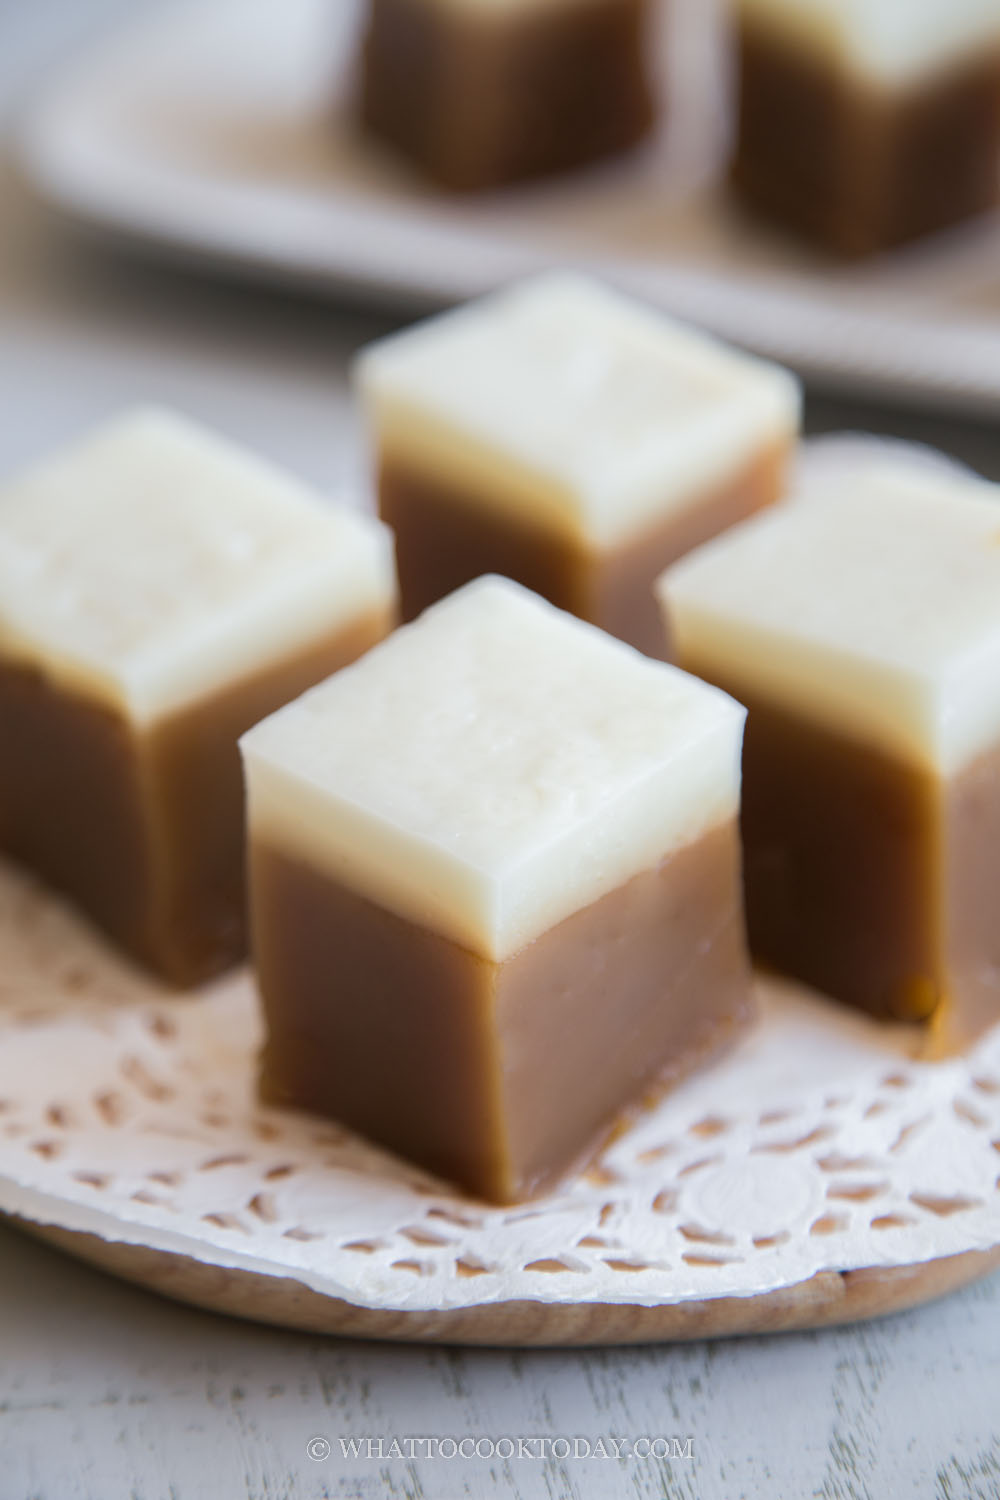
<point x="826" y="1299"/>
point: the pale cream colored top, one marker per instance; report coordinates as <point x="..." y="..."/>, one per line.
<point x="565" y="402"/>
<point x="876" y="611"/>
<point x="155" y="562"/>
<point x="493" y="767"/>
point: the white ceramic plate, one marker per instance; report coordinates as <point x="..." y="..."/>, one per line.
<point x="221" y="130"/>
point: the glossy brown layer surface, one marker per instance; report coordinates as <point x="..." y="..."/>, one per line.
<point x="143" y="827"/>
<point x="856" y="167"/>
<point x="498" y="1076"/>
<point x="445" y="538"/>
<point x="873" y="880"/>
<point x="477" y="101"/>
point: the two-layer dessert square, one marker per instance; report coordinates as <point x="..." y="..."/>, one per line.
<point x="495" y="887"/>
<point x="566" y="436"/>
<point x="865" y="123"/>
<point x="481" y="93"/>
<point x="161" y="591"/>
<point x="863" y="634"/>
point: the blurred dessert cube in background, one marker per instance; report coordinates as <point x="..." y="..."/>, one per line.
<point x="481" y="93"/>
<point x="866" y="123"/>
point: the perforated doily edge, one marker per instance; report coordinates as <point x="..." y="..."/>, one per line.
<point x="47" y="1211"/>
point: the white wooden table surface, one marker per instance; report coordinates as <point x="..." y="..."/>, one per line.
<point x="106" y="1391"/>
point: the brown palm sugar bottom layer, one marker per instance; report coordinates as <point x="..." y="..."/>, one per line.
<point x="859" y="168"/>
<point x="498" y="1076"/>
<point x="870" y="879"/>
<point x="477" y="101"/>
<point x="446" y="537"/>
<point x="143" y="827"/>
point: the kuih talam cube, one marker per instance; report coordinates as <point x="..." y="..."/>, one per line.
<point x="864" y="123"/>
<point x="161" y="591"/>
<point x="495" y="888"/>
<point x="566" y="436"/>
<point x="481" y="93"/>
<point x="863" y="634"/>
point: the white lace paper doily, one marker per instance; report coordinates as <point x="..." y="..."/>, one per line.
<point x="820" y="1143"/>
